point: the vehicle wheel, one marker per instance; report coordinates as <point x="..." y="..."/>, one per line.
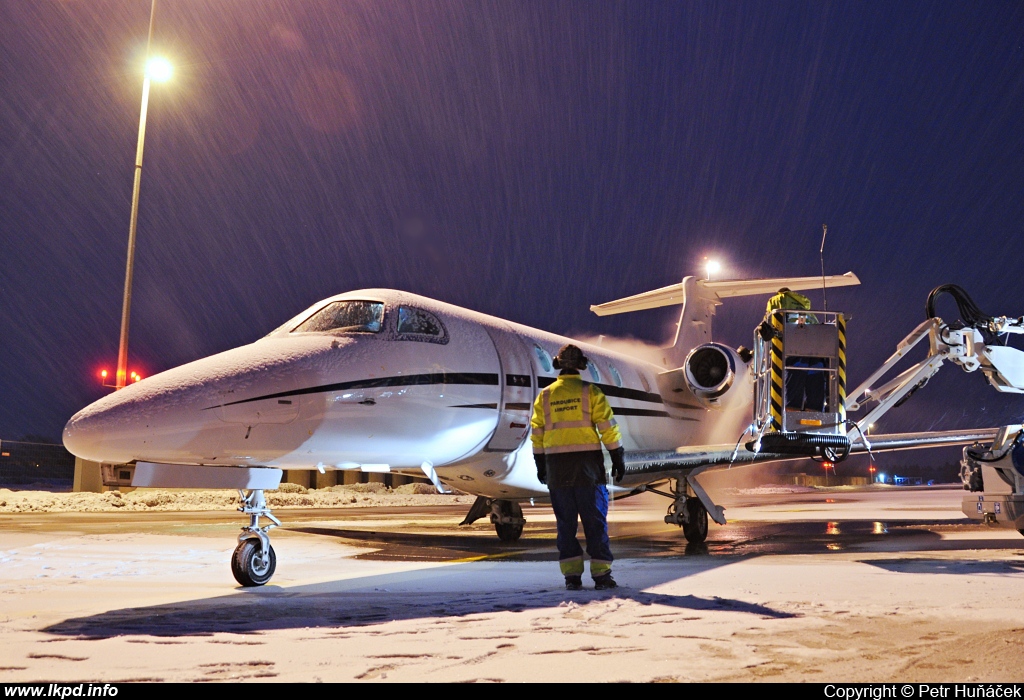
<point x="247" y="563"/>
<point x="696" y="530"/>
<point x="510" y="532"/>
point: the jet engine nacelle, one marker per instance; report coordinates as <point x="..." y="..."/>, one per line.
<point x="712" y="372"/>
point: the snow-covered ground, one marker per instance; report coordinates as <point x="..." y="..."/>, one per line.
<point x="112" y="598"/>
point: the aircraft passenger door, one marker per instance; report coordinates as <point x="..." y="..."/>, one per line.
<point x="517" y="380"/>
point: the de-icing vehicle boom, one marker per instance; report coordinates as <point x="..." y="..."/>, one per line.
<point x="379" y="380"/>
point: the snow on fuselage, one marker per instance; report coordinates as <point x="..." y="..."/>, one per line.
<point x="434" y="383"/>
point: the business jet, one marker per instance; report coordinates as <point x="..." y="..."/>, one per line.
<point x="379" y="380"/>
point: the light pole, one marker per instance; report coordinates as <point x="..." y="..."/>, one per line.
<point x="158" y="69"/>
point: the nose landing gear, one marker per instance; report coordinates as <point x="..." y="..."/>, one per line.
<point x="254" y="561"/>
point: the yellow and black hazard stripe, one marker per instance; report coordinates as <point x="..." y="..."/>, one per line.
<point x="775" y="396"/>
<point x="841" y="368"/>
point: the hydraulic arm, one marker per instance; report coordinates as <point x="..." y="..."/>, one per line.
<point x="977" y="341"/>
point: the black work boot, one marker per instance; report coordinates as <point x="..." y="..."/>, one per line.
<point x="604" y="582"/>
<point x="573" y="583"/>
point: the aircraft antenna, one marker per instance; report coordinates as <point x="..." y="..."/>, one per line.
<point x="821" y="255"/>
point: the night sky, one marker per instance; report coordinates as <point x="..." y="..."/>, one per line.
<point x="524" y="159"/>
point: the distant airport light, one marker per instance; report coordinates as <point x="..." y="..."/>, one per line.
<point x="159" y="69"/>
<point x="828" y="465"/>
<point x="104" y="375"/>
<point x="712" y="268"/>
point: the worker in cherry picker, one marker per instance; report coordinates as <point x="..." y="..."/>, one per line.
<point x="805" y="388"/>
<point x="571" y="419"/>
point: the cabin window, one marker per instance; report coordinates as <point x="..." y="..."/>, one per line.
<point x="417" y="324"/>
<point x="595" y="373"/>
<point x="544" y="358"/>
<point x="616" y="377"/>
<point x="345" y="317"/>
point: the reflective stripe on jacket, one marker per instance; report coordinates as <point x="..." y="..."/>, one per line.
<point x="569" y="415"/>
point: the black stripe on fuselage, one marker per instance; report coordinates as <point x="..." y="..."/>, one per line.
<point x="478" y="378"/>
<point x="619" y="392"/>
<point x="464" y="378"/>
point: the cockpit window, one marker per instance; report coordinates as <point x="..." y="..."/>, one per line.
<point x="417" y="324"/>
<point x="417" y="321"/>
<point x="345" y="317"/>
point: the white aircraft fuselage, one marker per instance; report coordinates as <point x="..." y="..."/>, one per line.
<point x="429" y="382"/>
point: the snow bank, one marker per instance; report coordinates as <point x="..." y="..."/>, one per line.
<point x="288" y="496"/>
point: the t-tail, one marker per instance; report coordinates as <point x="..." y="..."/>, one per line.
<point x="699" y="298"/>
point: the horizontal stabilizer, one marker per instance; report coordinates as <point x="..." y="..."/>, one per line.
<point x="743" y="288"/>
<point x="719" y="289"/>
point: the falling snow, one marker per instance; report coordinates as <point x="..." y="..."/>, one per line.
<point x="521" y="160"/>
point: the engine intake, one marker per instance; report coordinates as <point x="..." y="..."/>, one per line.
<point x="710" y="371"/>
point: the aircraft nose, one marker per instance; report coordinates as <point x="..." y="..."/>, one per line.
<point x="168" y="417"/>
<point x="109" y="429"/>
<point x="140" y="420"/>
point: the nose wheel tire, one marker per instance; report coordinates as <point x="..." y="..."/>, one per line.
<point x="696" y="529"/>
<point x="248" y="565"/>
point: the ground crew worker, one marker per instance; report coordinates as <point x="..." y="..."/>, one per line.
<point x="568" y="417"/>
<point x="787" y="299"/>
<point x="805" y="389"/>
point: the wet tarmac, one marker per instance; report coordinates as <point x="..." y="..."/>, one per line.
<point x="431" y="534"/>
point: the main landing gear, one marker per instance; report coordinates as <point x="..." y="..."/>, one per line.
<point x="690" y="508"/>
<point x="507" y="517"/>
<point x="253" y="562"/>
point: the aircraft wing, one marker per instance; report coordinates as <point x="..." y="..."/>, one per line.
<point x="698" y="458"/>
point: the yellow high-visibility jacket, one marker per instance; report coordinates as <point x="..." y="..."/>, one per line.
<point x="791" y="300"/>
<point x="569" y="414"/>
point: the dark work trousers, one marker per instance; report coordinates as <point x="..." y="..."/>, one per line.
<point x="589" y="504"/>
<point x="805" y="389"/>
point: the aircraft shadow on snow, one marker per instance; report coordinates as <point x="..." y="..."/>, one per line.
<point x="423" y="593"/>
<point x="436" y="591"/>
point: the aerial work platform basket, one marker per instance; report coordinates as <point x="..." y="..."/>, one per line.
<point x="800" y="384"/>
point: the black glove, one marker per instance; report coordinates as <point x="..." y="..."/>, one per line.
<point x="618" y="463"/>
<point x="542" y="467"/>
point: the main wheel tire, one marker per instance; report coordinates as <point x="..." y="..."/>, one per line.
<point x="247" y="563"/>
<point x="509" y="532"/>
<point x="696" y="530"/>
